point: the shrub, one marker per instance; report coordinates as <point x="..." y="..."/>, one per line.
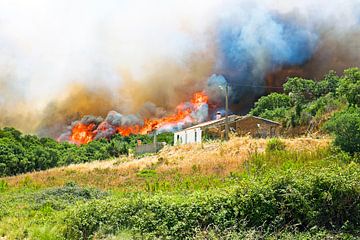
<point x="60" y="197"/>
<point x="350" y="86"/>
<point x="3" y="185"/>
<point x="166" y="137"/>
<point x="326" y="199"/>
<point x="345" y="126"/>
<point x="147" y="173"/>
<point x="275" y="144"/>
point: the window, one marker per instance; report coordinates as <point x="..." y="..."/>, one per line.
<point x="178" y="139"/>
<point x="195" y="136"/>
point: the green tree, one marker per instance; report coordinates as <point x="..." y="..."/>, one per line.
<point x="350" y="86"/>
<point x="345" y="126"/>
<point x="10" y="133"/>
<point x="329" y="84"/>
<point x="272" y="106"/>
<point x="167" y="137"/>
<point x="300" y="90"/>
<point x="12" y="158"/>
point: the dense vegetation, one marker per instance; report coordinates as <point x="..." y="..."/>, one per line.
<point x="278" y="194"/>
<point x="24" y="153"/>
<point x="308" y="102"/>
<point x="326" y="199"/>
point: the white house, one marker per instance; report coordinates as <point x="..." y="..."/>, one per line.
<point x="194" y="134"/>
<point x="241" y="125"/>
<point x="189" y="135"/>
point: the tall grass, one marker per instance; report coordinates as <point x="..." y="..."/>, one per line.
<point x="281" y="190"/>
<point x="239" y="189"/>
<point x="185" y="163"/>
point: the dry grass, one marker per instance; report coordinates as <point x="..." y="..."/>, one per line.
<point x="213" y="158"/>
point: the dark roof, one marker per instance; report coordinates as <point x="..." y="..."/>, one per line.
<point x="232" y="118"/>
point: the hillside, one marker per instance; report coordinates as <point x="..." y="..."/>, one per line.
<point x="242" y="189"/>
<point x="209" y="159"/>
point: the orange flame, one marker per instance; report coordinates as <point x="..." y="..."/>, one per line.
<point x="82" y="133"/>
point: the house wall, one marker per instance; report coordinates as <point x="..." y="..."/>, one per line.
<point x="148" y="148"/>
<point x="188" y="136"/>
<point x="252" y="126"/>
<point x="257" y="128"/>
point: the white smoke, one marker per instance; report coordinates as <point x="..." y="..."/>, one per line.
<point x="45" y="45"/>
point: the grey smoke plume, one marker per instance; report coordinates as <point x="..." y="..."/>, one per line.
<point x="140" y="58"/>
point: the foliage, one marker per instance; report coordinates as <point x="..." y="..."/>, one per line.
<point x="60" y="197"/>
<point x="350" y="86"/>
<point x="275" y="144"/>
<point x="300" y="90"/>
<point x="272" y="106"/>
<point x="326" y="199"/>
<point x="278" y="194"/>
<point x="345" y="126"/>
<point x="24" y="153"/>
<point x="286" y="234"/>
<point x="166" y="137"/>
<point x="306" y="100"/>
<point x="3" y="185"/>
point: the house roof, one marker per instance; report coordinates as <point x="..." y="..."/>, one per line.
<point x="262" y="119"/>
<point x="232" y="118"/>
<point x="208" y="123"/>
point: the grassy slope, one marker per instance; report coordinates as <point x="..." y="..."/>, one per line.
<point x="176" y="171"/>
<point x="213" y="160"/>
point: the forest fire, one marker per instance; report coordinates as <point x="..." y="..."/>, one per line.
<point x="186" y="113"/>
<point x="82" y="133"/>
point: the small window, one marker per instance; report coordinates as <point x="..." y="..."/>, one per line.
<point x="195" y="136"/>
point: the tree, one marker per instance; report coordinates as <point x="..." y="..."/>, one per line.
<point x="300" y="90"/>
<point x="10" y="133"/>
<point x="329" y="84"/>
<point x="350" y="86"/>
<point x="272" y="106"/>
<point x="11" y="157"/>
<point x="345" y="126"/>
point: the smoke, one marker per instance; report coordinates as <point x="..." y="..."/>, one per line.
<point x="90" y="127"/>
<point x="257" y="42"/>
<point x="78" y="101"/>
<point x="62" y="60"/>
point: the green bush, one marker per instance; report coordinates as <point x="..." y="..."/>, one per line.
<point x="3" y="185"/>
<point x="60" y="197"/>
<point x="345" y="126"/>
<point x="326" y="199"/>
<point x="350" y="86"/>
<point x="275" y="144"/>
<point x="147" y="173"/>
<point x="166" y="137"/>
